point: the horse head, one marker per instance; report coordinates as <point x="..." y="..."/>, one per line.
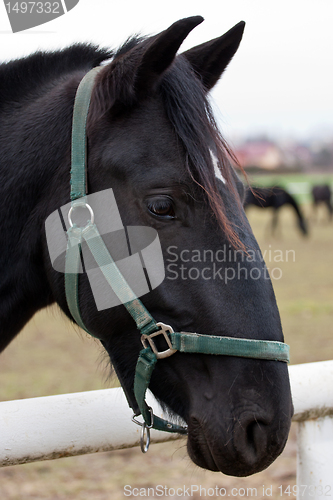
<point x="152" y="138"/>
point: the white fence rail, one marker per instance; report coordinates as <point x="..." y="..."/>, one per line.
<point x="69" y="424"/>
<point x="312" y="390"/>
<point x="87" y="422"/>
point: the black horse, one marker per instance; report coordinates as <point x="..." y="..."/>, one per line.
<point x="275" y="197"/>
<point x="153" y="140"/>
<point x="322" y="194"/>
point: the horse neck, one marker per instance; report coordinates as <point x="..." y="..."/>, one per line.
<point x="34" y="144"/>
<point x="301" y="221"/>
<point x="295" y="206"/>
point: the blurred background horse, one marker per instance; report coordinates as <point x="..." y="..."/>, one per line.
<point x="275" y="197"/>
<point x="322" y="195"/>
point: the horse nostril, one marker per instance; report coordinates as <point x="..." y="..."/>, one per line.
<point x="251" y="440"/>
<point x="256" y="436"/>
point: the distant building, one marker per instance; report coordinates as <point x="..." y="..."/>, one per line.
<point x="259" y="153"/>
<point x="265" y="154"/>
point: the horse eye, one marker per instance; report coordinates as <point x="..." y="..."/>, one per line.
<point x="161" y="207"/>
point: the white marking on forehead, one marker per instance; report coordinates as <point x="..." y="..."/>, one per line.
<point x="216" y="167"/>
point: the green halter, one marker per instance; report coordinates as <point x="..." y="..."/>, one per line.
<point x="147" y="326"/>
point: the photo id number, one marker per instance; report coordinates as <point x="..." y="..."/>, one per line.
<point x="308" y="490"/>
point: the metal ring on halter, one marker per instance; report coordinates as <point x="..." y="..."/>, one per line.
<point x="92" y="217"/>
<point x="144" y="427"/>
<point x="144" y="445"/>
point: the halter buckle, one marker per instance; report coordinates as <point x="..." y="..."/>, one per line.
<point x="164" y="330"/>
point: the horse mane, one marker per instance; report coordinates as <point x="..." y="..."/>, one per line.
<point x="23" y="78"/>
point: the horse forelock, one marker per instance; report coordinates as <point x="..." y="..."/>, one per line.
<point x="191" y="115"/>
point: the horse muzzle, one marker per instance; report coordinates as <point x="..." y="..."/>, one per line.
<point x="238" y="445"/>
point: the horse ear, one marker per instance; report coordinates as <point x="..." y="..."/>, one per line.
<point x="137" y="69"/>
<point x="162" y="50"/>
<point x="210" y="59"/>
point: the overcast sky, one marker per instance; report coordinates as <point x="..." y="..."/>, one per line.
<point x="280" y="81"/>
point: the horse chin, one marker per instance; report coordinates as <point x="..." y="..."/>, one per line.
<point x="201" y="454"/>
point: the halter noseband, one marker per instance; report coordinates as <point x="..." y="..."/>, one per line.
<point x="147" y="326"/>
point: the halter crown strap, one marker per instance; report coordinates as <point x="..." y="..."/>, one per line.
<point x="79" y="137"/>
<point x="90" y="234"/>
<point x="175" y="341"/>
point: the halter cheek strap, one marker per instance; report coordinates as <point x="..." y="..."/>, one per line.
<point x="147" y="326"/>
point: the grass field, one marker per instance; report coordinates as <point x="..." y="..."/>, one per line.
<point x="49" y="357"/>
<point x="298" y="184"/>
